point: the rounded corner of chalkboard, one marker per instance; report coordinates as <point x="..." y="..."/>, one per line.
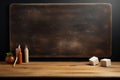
<point x="11" y="4"/>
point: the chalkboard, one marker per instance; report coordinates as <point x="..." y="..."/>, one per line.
<point x="62" y="30"/>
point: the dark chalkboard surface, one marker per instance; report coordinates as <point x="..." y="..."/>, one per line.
<point x="69" y="30"/>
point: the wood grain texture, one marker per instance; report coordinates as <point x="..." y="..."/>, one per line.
<point x="59" y="69"/>
<point x="62" y="29"/>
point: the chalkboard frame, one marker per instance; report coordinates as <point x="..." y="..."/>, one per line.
<point x="15" y="32"/>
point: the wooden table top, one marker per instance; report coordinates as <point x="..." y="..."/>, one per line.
<point x="59" y="69"/>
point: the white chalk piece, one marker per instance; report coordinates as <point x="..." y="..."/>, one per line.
<point x="93" y="60"/>
<point x="26" y="53"/>
<point x="105" y="62"/>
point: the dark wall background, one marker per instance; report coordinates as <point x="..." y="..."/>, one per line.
<point x="4" y="24"/>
